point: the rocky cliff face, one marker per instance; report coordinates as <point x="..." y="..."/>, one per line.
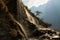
<point x="17" y="22"/>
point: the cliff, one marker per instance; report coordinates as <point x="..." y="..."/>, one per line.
<point x="17" y="22"/>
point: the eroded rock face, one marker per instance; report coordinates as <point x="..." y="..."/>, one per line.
<point x="5" y="22"/>
<point x="10" y="30"/>
<point x="46" y="34"/>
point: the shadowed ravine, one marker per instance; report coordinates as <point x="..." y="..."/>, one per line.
<point x="18" y="23"/>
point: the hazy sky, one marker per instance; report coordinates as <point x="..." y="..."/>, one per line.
<point x="35" y="3"/>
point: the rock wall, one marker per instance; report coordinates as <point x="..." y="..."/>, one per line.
<point x="16" y="22"/>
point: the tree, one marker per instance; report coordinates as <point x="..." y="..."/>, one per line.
<point x="38" y="13"/>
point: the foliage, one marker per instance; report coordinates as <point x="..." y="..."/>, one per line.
<point x="38" y="13"/>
